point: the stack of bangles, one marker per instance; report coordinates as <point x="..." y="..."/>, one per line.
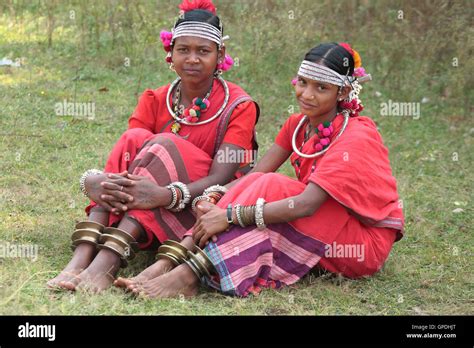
<point x="180" y="196"/>
<point x="212" y="195"/>
<point x="247" y="215"/>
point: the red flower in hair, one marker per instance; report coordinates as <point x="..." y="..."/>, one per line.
<point x="347" y="47"/>
<point x="354" y="106"/>
<point x="189" y="5"/>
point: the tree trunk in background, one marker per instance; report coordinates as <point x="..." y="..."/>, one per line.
<point x="112" y="24"/>
<point x="12" y="10"/>
<point x="83" y="26"/>
<point x="51" y="5"/>
<point x="96" y="9"/>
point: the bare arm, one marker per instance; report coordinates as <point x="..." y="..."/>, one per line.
<point x="292" y="208"/>
<point x="305" y="204"/>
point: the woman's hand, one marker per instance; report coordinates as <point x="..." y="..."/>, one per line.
<point x="207" y="226"/>
<point x="202" y="207"/>
<point x="96" y="190"/>
<point x="135" y="192"/>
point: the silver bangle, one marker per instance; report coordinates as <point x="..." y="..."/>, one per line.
<point x="186" y="197"/>
<point x="215" y="188"/>
<point x="82" y="180"/>
<point x="259" y="214"/>
<point x="174" y="196"/>
<point x="239" y="216"/>
<point x="197" y="200"/>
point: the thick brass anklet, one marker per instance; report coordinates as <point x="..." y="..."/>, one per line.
<point x="120" y="242"/>
<point x="173" y="251"/>
<point x="200" y="264"/>
<point x="87" y="232"/>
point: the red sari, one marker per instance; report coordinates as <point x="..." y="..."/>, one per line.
<point x="149" y="148"/>
<point x="351" y="233"/>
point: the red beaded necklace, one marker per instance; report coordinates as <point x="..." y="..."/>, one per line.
<point x="193" y="112"/>
<point x="322" y="140"/>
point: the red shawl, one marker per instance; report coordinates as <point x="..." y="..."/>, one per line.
<point x="355" y="171"/>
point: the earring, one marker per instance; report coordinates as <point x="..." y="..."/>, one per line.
<point x="172" y="67"/>
<point x="339" y="93"/>
<point x="219" y="70"/>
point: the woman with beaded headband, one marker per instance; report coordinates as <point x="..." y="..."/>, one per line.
<point x="342" y="214"/>
<point x="167" y="157"/>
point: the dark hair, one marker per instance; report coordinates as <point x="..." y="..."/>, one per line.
<point x="333" y="56"/>
<point x="199" y="15"/>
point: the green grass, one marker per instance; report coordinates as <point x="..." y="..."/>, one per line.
<point x="42" y="155"/>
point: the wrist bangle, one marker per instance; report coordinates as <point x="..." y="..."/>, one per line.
<point x="174" y="195"/>
<point x="259" y="214"/>
<point x="230" y="221"/>
<point x="215" y="188"/>
<point x="215" y="195"/>
<point x="82" y="180"/>
<point x="239" y="216"/>
<point x="197" y="200"/>
<point x="185" y="198"/>
<point x="248" y="215"/>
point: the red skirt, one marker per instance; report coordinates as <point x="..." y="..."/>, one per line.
<point x="248" y="259"/>
<point x="163" y="158"/>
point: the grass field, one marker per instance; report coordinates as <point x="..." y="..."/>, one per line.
<point x="107" y="53"/>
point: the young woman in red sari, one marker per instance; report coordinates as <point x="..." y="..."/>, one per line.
<point x="166" y="157"/>
<point x="342" y="213"/>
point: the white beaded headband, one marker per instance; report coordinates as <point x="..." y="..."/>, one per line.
<point x="318" y="72"/>
<point x="199" y="29"/>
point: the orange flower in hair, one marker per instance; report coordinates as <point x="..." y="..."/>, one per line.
<point x="357" y="60"/>
<point x="354" y="54"/>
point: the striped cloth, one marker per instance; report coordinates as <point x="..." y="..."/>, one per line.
<point x="248" y="260"/>
<point x="163" y="159"/>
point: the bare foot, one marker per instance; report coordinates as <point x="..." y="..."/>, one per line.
<point x="98" y="276"/>
<point x="83" y="256"/>
<point x="180" y="281"/>
<point x="158" y="268"/>
<point x="94" y="282"/>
